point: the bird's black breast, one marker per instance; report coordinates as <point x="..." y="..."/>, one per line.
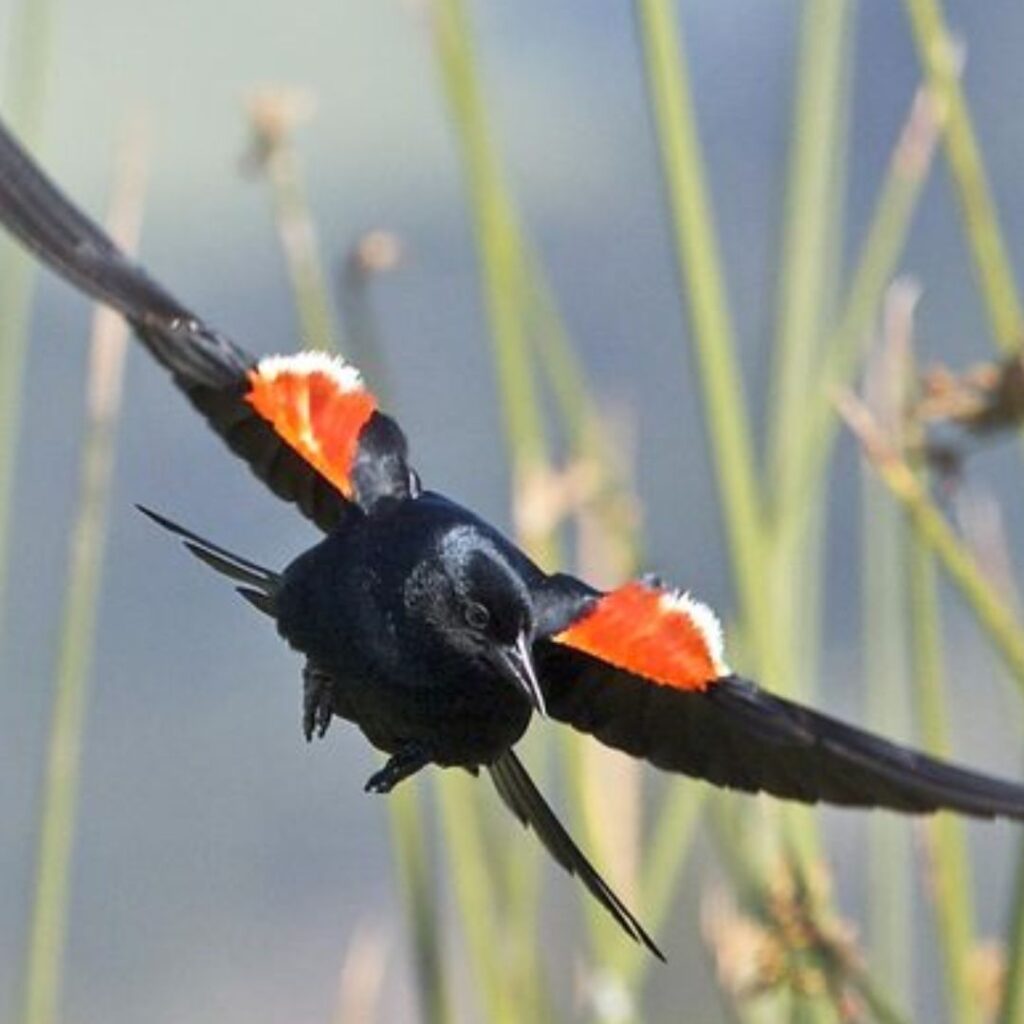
<point x="343" y="604"/>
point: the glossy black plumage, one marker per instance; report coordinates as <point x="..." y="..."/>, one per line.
<point x="378" y="607"/>
<point x="740" y="736"/>
<point x="433" y="633"/>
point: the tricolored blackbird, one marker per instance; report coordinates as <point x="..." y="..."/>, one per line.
<point x="436" y="635"/>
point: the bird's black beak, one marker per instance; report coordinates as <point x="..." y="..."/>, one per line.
<point x="518" y="663"/>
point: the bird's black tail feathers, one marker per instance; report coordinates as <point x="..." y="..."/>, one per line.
<point x="523" y="799"/>
<point x="259" y="585"/>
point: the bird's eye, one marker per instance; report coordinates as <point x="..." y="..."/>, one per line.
<point x="477" y="616"/>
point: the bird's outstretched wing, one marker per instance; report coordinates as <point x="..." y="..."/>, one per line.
<point x="523" y="799"/>
<point x="304" y="423"/>
<point x="642" y="669"/>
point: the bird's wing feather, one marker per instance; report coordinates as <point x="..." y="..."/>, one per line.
<point x="304" y="424"/>
<point x="521" y="796"/>
<point x="642" y="670"/>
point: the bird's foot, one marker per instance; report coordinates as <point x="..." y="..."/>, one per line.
<point x="316" y="702"/>
<point x="406" y="762"/>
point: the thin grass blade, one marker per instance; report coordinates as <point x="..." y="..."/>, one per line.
<point x="941" y="62"/>
<point x="273" y="116"/>
<point x="702" y="284"/>
<point x="48" y="927"/>
<point x="25" y="87"/>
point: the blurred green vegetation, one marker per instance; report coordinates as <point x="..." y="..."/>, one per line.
<point x="780" y="946"/>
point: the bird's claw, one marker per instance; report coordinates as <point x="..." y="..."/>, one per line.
<point x="316" y="702"/>
<point x="380" y="782"/>
<point x="399" y="766"/>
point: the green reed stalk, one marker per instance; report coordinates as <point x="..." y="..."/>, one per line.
<point x="48" y="928"/>
<point x="317" y="325"/>
<point x="525" y="312"/>
<point x="473" y="879"/>
<point x="529" y="312"/>
<point x="725" y="408"/>
<point x="502" y="261"/>
<point x="999" y="290"/>
<point x="981" y="222"/>
<point x="876" y="265"/>
<point x="28" y="59"/>
<point x="413" y="864"/>
<point x="807" y="267"/>
<point x="947" y="839"/>
<point x="273" y="118"/>
<point x="806" y="284"/>
<point x="884" y="670"/>
<point x="702" y="281"/>
<point x="376" y="253"/>
<point x="272" y="121"/>
<point x="1012" y="1009"/>
<point x="497" y="237"/>
<point x="991" y="612"/>
<point x="997" y="283"/>
<point x="671" y="843"/>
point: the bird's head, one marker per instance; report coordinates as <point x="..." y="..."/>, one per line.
<point x="471" y="599"/>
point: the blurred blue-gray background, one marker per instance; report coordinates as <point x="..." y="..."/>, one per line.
<point x="222" y="865"/>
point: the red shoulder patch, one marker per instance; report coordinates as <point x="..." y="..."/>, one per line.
<point x="317" y="404"/>
<point x="663" y="635"/>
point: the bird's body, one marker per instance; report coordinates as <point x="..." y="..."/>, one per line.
<point x="433" y="633"/>
<point x="351" y="604"/>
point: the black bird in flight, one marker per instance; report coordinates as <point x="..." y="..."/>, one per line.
<point x="432" y="632"/>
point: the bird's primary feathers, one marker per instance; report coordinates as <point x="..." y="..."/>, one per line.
<point x="432" y="632"/>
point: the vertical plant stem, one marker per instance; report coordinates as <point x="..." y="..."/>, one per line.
<point x="413" y="865"/>
<point x="317" y="325"/>
<point x="876" y="264"/>
<point x="878" y="1002"/>
<point x="701" y="280"/>
<point x="497" y="237"/>
<point x="503" y="266"/>
<point x="469" y="864"/>
<point x="605" y="938"/>
<point x="992" y="614"/>
<point x="375" y="253"/>
<point x="520" y="306"/>
<point x="988" y="248"/>
<point x="889" y="927"/>
<point x="810" y="244"/>
<point x="48" y="928"/>
<point x="884" y="672"/>
<point x="518" y="303"/>
<point x="27" y="57"/>
<point x="1012" y="1009"/>
<point x="887" y="386"/>
<point x="947" y="841"/>
<point x="670" y="846"/>
<point x="273" y="118"/>
<point x="560" y="363"/>
<point x="361" y="978"/>
<point x="806" y="284"/>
